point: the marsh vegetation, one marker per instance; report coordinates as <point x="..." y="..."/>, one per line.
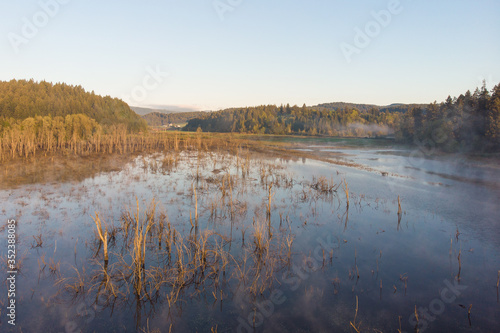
<point x="194" y="232"/>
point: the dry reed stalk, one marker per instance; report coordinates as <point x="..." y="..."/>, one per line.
<point x="195" y="206"/>
<point x="142" y="228"/>
<point x="102" y="235"/>
<point x="230" y="195"/>
<point x="459" y="264"/>
<point x="353" y="324"/>
<point x="270" y="196"/>
<point x="346" y="190"/>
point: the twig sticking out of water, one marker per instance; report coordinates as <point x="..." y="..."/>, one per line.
<point x="459" y="264"/>
<point x="38" y="241"/>
<point x="102" y="235"/>
<point x="270" y="197"/>
<point x="353" y="324"/>
<point x="468" y="314"/>
<point x="346" y="190"/>
<point x="400" y="212"/>
<point x="498" y="282"/>
<point x="195" y="206"/>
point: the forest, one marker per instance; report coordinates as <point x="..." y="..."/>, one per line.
<point x="160" y="119"/>
<point x="48" y="117"/>
<point x="278" y="120"/>
<point x="469" y="122"/>
<point x="21" y="99"/>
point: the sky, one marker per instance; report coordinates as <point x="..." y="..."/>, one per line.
<point x="214" y="54"/>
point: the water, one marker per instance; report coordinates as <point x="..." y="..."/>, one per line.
<point x="449" y="209"/>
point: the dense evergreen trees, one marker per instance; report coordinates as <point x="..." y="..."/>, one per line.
<point x="470" y="122"/>
<point x="22" y="99"/>
<point x="160" y="119"/>
<point x="272" y="119"/>
<point x="42" y="116"/>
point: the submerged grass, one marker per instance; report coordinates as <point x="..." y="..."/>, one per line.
<point x="151" y="261"/>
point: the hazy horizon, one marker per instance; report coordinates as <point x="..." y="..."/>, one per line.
<point x="219" y="54"/>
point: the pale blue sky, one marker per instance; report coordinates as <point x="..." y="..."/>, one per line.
<point x="262" y="52"/>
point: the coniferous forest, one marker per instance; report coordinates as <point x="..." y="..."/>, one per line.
<point x="21" y="99"/>
<point x="469" y="122"/>
<point x="46" y="116"/>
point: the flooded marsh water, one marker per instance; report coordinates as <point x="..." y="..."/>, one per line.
<point x="306" y="241"/>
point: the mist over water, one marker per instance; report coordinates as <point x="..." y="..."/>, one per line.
<point x="449" y="210"/>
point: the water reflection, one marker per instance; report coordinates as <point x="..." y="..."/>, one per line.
<point x="244" y="239"/>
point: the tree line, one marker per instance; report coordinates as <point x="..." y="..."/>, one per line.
<point x="278" y="120"/>
<point x="21" y="99"/>
<point x="469" y="122"/>
<point x="160" y="119"/>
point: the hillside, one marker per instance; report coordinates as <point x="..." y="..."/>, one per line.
<point x="319" y="120"/>
<point x="469" y="122"/>
<point x="21" y="99"/>
<point x="161" y="119"/>
<point x="396" y="107"/>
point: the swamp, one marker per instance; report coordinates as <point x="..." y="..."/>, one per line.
<point x="226" y="233"/>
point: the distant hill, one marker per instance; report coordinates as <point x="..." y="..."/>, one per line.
<point x="161" y="119"/>
<point x="164" y="109"/>
<point x="395" y="107"/>
<point x="333" y="119"/>
<point x="143" y="111"/>
<point x="21" y="99"/>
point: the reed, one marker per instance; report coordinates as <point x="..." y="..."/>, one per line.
<point x="289" y="242"/>
<point x="195" y="206"/>
<point x="346" y="190"/>
<point x="269" y="200"/>
<point x="38" y="241"/>
<point x="103" y="235"/>
<point x="54" y="267"/>
<point x="230" y="181"/>
<point x="353" y="323"/>
<point x="459" y="264"/>
<point x="141" y="230"/>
